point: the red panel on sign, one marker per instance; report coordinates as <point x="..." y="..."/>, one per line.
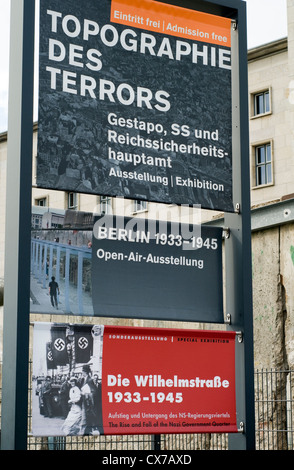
<point x="168" y="381"/>
<point x="129" y="380"/>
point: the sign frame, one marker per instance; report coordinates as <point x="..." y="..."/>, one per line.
<point x="16" y="302"/>
<point x="16" y="317"/>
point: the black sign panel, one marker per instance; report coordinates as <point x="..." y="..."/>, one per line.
<point x="157" y="270"/>
<point x="127" y="111"/>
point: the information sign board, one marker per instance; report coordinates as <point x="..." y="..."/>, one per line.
<point x="135" y="101"/>
<point x="93" y="379"/>
<point x="157" y="270"/>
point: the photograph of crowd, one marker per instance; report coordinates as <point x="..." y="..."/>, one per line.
<point x="67" y="371"/>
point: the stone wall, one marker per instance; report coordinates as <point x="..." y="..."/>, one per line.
<point x="273" y="297"/>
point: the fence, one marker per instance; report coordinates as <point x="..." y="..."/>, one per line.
<point x="274" y="391"/>
<point x="274" y="419"/>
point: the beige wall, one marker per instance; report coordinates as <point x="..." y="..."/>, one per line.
<point x="290" y="13"/>
<point x="272" y="73"/>
<point x="272" y="66"/>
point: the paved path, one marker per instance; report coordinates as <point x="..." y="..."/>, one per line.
<point x="40" y="300"/>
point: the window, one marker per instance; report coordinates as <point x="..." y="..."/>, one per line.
<point x="36" y="221"/>
<point x="41" y="202"/>
<point x="263" y="164"/>
<point x="105" y="205"/>
<point x="140" y="206"/>
<point x="261" y="103"/>
<point x="72" y="202"/>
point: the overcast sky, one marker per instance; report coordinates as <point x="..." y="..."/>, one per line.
<point x="266" y="22"/>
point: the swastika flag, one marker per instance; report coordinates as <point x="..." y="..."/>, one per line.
<point x="83" y="343"/>
<point x="59" y="345"/>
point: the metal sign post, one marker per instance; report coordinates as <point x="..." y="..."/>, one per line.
<point x="238" y="246"/>
<point x="18" y="227"/>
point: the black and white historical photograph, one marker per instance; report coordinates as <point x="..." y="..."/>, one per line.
<point x="66" y="382"/>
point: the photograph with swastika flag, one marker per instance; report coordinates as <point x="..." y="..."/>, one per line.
<point x="137" y="380"/>
<point x="67" y="372"/>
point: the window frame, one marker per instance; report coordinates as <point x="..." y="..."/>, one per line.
<point x="105" y="202"/>
<point x="253" y="95"/>
<point x="256" y="165"/>
<point x="38" y="200"/>
<point x="75" y="206"/>
<point x="140" y="206"/>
